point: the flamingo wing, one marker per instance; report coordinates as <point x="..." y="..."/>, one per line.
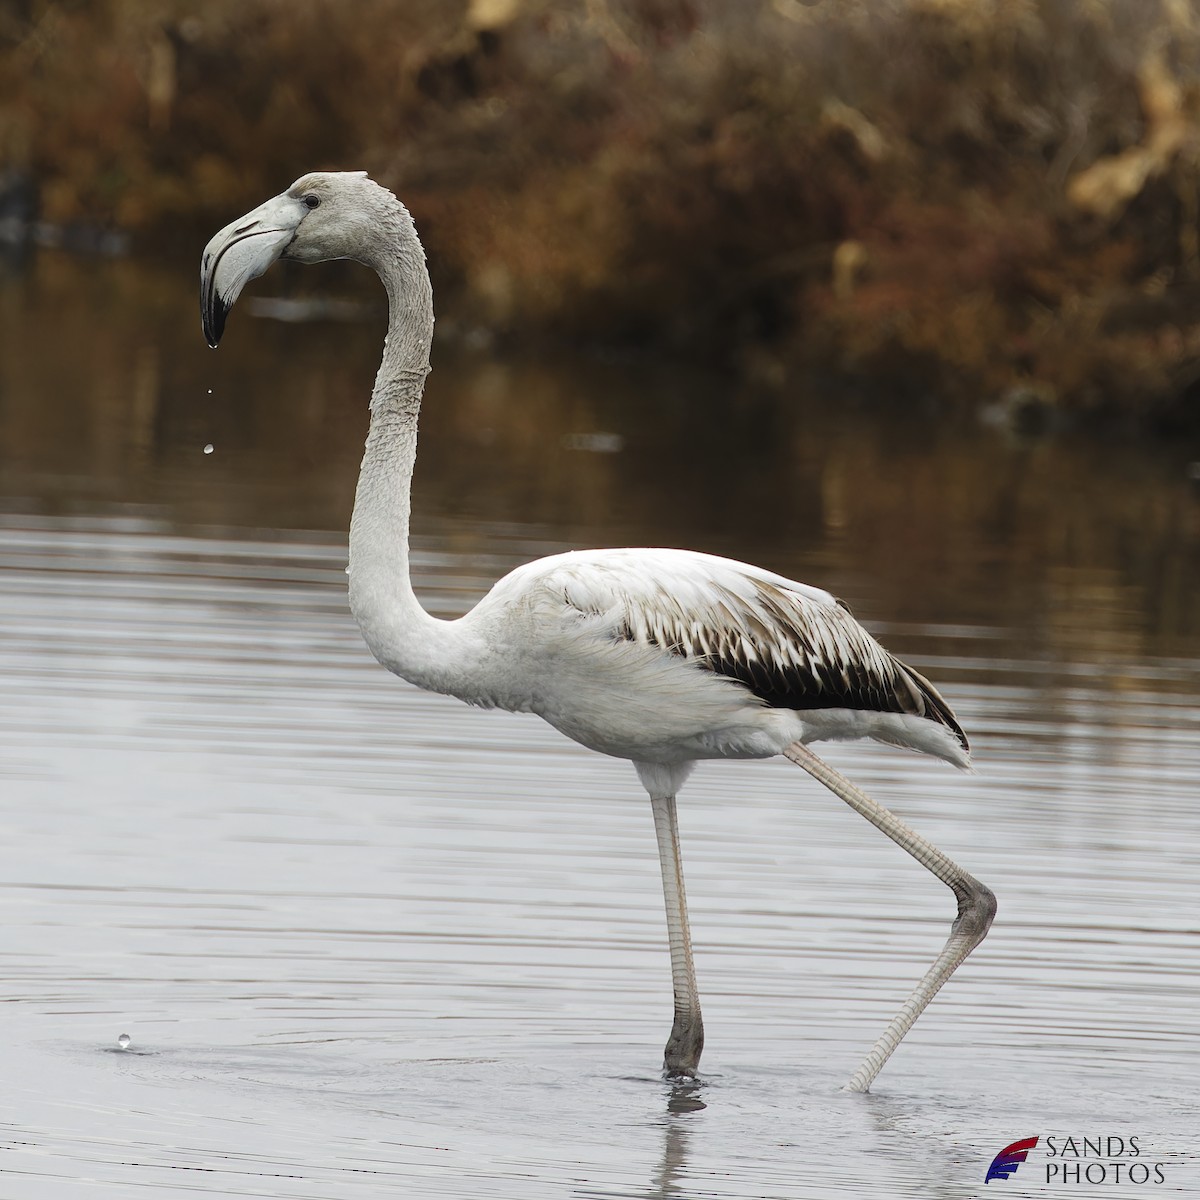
<point x="791" y="645"/>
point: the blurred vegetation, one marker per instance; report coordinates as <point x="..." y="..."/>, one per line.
<point x="994" y="201"/>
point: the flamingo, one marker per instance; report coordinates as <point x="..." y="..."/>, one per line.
<point x="662" y="657"/>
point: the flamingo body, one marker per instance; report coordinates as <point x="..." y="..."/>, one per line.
<point x="669" y="656"/>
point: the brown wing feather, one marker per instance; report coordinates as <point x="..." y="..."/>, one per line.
<point x="788" y="650"/>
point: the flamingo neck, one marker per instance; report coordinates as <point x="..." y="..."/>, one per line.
<point x="399" y="632"/>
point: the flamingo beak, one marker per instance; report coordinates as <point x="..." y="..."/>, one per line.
<point x="242" y="251"/>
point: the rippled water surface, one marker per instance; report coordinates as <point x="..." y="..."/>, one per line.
<point x="368" y="942"/>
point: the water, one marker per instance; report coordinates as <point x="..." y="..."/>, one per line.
<point x="367" y="942"/>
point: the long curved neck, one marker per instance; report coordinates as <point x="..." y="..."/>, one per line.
<point x="405" y="638"/>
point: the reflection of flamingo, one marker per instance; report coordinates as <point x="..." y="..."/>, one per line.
<point x="662" y="657"/>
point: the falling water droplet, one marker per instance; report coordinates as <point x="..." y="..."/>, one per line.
<point x="210" y="391"/>
<point x="209" y="448"/>
<point x="124" y="1040"/>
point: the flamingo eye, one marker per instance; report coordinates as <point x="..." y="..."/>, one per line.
<point x="312" y="200"/>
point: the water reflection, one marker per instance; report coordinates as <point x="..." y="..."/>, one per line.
<point x="381" y="944"/>
<point x="1090" y="551"/>
<point x="670" y="1180"/>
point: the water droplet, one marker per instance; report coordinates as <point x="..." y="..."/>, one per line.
<point x="209" y="448"/>
<point x="124" y="1040"/>
<point x="347" y="570"/>
<point x="210" y="391"/>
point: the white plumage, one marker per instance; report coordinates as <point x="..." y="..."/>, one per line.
<point x="669" y="656"/>
<point x="662" y="657"/>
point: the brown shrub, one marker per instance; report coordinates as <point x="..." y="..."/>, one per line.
<point x="985" y="193"/>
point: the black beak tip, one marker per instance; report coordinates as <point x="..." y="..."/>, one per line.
<point x="214" y="322"/>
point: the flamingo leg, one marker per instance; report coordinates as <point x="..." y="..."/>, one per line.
<point x="682" y="1054"/>
<point x="976" y="907"/>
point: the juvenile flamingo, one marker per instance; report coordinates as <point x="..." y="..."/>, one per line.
<point x="662" y="657"/>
